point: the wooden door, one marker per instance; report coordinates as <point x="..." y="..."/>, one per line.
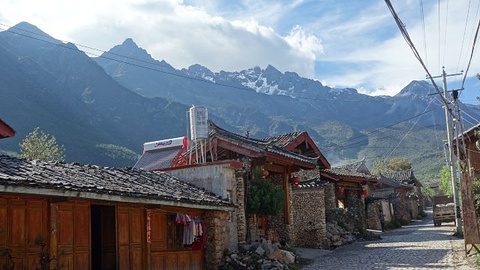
<point x="130" y="223"/>
<point x="22" y="220"/>
<point x="71" y="234"/>
<point x="156" y="238"/>
<point x="108" y="239"/>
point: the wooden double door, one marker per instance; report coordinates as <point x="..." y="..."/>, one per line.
<point x="86" y="236"/>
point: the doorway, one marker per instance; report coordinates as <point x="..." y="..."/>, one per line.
<point x="104" y="238"/>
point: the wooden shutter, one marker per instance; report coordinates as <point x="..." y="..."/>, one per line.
<point x="130" y="223"/>
<point x="71" y="237"/>
<point x="21" y="222"/>
<point x="157" y="234"/>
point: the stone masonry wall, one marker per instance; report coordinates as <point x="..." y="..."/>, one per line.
<point x="240" y="210"/>
<point x="222" y="180"/>
<point x="373" y="219"/>
<point x="217" y="237"/>
<point x="277" y="223"/>
<point x="353" y="218"/>
<point x="401" y="210"/>
<point x="308" y="218"/>
<point x="330" y="202"/>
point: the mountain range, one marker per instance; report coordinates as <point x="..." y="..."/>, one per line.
<point x="103" y="109"/>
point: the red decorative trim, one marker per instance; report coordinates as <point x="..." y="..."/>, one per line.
<point x="305" y="137"/>
<point x="5" y="130"/>
<point x="232" y="163"/>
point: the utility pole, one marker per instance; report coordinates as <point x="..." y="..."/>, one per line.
<point x="450" y="158"/>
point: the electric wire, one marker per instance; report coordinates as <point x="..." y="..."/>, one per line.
<point x="471" y="55"/>
<point x="445" y="36"/>
<point x="439" y="35"/>
<point x="424" y="32"/>
<point x="344" y="143"/>
<point x="103" y="55"/>
<point x="408" y="132"/>
<point x="406" y="36"/>
<point x="464" y="33"/>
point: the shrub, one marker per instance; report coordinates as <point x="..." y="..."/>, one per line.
<point x="264" y="198"/>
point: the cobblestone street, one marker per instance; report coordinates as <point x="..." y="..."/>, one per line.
<point x="417" y="246"/>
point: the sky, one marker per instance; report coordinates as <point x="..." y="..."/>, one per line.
<point x="339" y="43"/>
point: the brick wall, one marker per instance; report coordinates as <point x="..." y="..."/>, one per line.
<point x="308" y="218"/>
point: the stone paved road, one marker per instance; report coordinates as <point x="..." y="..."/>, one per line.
<point x="417" y="246"/>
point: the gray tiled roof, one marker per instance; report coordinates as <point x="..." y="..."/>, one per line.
<point x="257" y="145"/>
<point x="312" y="183"/>
<point x="355" y="166"/>
<point x="347" y="173"/>
<point x="283" y="140"/>
<point x="391" y="182"/>
<point x="402" y="176"/>
<point x="102" y="180"/>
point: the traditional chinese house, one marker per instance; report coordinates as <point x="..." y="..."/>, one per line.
<point x="280" y="156"/>
<point x="350" y="180"/>
<point x="93" y="217"/>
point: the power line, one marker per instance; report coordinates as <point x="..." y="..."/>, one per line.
<point x="243" y="88"/>
<point x="445" y="36"/>
<point x="471" y="54"/>
<point x="388" y="126"/>
<point x="439" y="36"/>
<point x="406" y="36"/>
<point x="464" y="32"/>
<point x="424" y="32"/>
<point x="408" y="132"/>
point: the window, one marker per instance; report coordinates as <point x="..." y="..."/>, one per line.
<point x="184" y="232"/>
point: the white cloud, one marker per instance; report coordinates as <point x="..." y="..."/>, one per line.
<point x="384" y="66"/>
<point x="180" y="34"/>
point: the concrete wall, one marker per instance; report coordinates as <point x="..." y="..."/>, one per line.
<point x="309" y="226"/>
<point x="224" y="181"/>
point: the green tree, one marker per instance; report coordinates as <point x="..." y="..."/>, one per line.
<point x="38" y="145"/>
<point x="428" y="191"/>
<point x="445" y="184"/>
<point x="383" y="166"/>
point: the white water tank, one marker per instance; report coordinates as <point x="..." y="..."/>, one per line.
<point x="198" y="123"/>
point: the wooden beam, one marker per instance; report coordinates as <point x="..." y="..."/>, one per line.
<point x="274" y="168"/>
<point x="238" y="149"/>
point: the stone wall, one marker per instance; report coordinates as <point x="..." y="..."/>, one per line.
<point x="353" y="218"/>
<point x="400" y="210"/>
<point x="216" y="223"/>
<point x="240" y="203"/>
<point x="330" y="199"/>
<point x="277" y="223"/>
<point x="308" y="218"/>
<point x="373" y="219"/>
<point x="224" y="181"/>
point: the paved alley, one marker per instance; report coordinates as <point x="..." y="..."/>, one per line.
<point x="417" y="246"/>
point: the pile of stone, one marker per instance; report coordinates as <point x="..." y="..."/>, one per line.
<point x="337" y="236"/>
<point x="258" y="255"/>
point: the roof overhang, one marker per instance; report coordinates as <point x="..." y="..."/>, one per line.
<point x="5" y="130"/>
<point x="305" y="137"/>
<point x="347" y="178"/>
<point x="109" y="197"/>
<point x="229" y="163"/>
